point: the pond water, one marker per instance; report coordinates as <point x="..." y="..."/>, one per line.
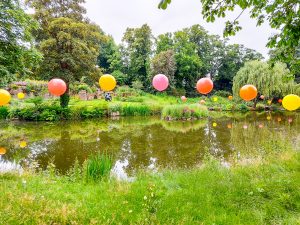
<point x="145" y="142"/>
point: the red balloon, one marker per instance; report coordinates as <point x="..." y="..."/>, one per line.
<point x="280" y="100"/>
<point x="248" y="92"/>
<point x="57" y="87"/>
<point x="205" y="85"/>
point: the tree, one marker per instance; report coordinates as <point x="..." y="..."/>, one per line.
<point x="165" y="63"/>
<point x="269" y="81"/>
<point x="68" y="41"/>
<point x="233" y="59"/>
<point x="17" y="55"/>
<point x="136" y="49"/>
<point x="282" y="15"/>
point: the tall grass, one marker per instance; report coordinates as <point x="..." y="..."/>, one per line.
<point x="177" y="112"/>
<point x="98" y="167"/>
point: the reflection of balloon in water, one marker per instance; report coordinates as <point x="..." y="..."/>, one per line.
<point x="183" y="98"/>
<point x="291" y="102"/>
<point x="23" y="144"/>
<point x="202" y="102"/>
<point x="204" y="86"/>
<point x="248" y="92"/>
<point x="4" y="97"/>
<point x="107" y="82"/>
<point x="245" y="127"/>
<point x="279" y="119"/>
<point x="215" y="124"/>
<point x="21" y="95"/>
<point x="57" y="87"/>
<point x="230" y="97"/>
<point x="2" y="151"/>
<point x="160" y="82"/>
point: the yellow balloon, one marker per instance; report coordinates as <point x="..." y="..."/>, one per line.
<point x="23" y="144"/>
<point x="107" y="82"/>
<point x="215" y="99"/>
<point x="21" y="95"/>
<point x="2" y="151"/>
<point x="4" y="97"/>
<point x="215" y="124"/>
<point x="291" y="102"/>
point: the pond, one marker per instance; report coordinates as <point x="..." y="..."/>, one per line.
<point x="145" y="142"/>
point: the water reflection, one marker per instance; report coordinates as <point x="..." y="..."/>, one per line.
<point x="147" y="143"/>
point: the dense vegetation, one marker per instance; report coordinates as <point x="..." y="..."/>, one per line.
<point x="66" y="44"/>
<point x="266" y="191"/>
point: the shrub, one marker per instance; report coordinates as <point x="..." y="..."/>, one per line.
<point x="3" y="112"/>
<point x="35" y="100"/>
<point x="137" y="85"/>
<point x="184" y="111"/>
<point x="98" y="167"/>
<point x="222" y="93"/>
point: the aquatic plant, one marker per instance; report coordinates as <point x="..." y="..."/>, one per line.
<point x="180" y="111"/>
<point x="98" y="167"/>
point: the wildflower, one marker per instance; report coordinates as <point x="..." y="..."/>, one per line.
<point x="130" y="211"/>
<point x="145" y="197"/>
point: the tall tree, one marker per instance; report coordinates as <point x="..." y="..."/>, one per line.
<point x="165" y="63"/>
<point x="136" y="47"/>
<point x="269" y="81"/>
<point x="17" y="55"/>
<point x="282" y="15"/>
<point x="68" y="41"/>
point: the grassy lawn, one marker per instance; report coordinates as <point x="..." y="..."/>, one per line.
<point x="265" y="192"/>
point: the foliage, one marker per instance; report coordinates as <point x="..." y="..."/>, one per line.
<point x="179" y="112"/>
<point x="98" y="167"/>
<point x="120" y="77"/>
<point x="136" y="50"/>
<point x="269" y="81"/>
<point x="138" y="85"/>
<point x="281" y="15"/>
<point x="257" y="193"/>
<point x="17" y="56"/>
<point x="3" y="112"/>
<point x="223" y="94"/>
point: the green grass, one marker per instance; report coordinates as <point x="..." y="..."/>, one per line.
<point x="262" y="193"/>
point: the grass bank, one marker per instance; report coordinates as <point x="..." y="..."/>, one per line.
<point x="264" y="192"/>
<point x="142" y="104"/>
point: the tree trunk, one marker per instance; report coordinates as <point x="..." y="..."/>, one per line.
<point x="65" y="98"/>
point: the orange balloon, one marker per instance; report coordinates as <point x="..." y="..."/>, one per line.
<point x="280" y="100"/>
<point x="248" y="92"/>
<point x="202" y="102"/>
<point x="2" y="151"/>
<point x="230" y="97"/>
<point x="205" y="85"/>
<point x="57" y="87"/>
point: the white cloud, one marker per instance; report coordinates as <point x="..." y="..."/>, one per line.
<point x="114" y="16"/>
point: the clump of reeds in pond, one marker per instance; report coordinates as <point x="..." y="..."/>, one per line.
<point x="178" y="112"/>
<point x="98" y="166"/>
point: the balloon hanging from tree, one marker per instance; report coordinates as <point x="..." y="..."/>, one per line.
<point x="107" y="82"/>
<point x="5" y="97"/>
<point x="57" y="87"/>
<point x="291" y="102"/>
<point x="160" y="82"/>
<point x="205" y="86"/>
<point x="248" y="92"/>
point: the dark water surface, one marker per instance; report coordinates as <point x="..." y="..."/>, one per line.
<point x="145" y="142"/>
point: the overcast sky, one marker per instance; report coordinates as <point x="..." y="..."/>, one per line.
<point x="114" y="16"/>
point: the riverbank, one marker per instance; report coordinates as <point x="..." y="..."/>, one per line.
<point x="169" y="107"/>
<point x="261" y="190"/>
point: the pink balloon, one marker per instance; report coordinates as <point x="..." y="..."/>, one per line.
<point x="183" y="98"/>
<point x="160" y="82"/>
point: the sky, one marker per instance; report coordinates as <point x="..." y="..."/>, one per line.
<point x="114" y="16"/>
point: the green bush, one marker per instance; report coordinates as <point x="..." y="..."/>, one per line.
<point x="3" y="112"/>
<point x="184" y="111"/>
<point x="35" y="100"/>
<point x="222" y="93"/>
<point x="135" y="110"/>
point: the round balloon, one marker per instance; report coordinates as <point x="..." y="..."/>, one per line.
<point x="21" y="95"/>
<point x="4" y="97"/>
<point x="280" y="100"/>
<point x="183" y="98"/>
<point x="291" y="102"/>
<point x="262" y="97"/>
<point x="202" y="102"/>
<point x="57" y="87"/>
<point x="248" y="92"/>
<point x="230" y="97"/>
<point x="2" y="151"/>
<point x="107" y="82"/>
<point x="204" y="86"/>
<point x="160" y="82"/>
